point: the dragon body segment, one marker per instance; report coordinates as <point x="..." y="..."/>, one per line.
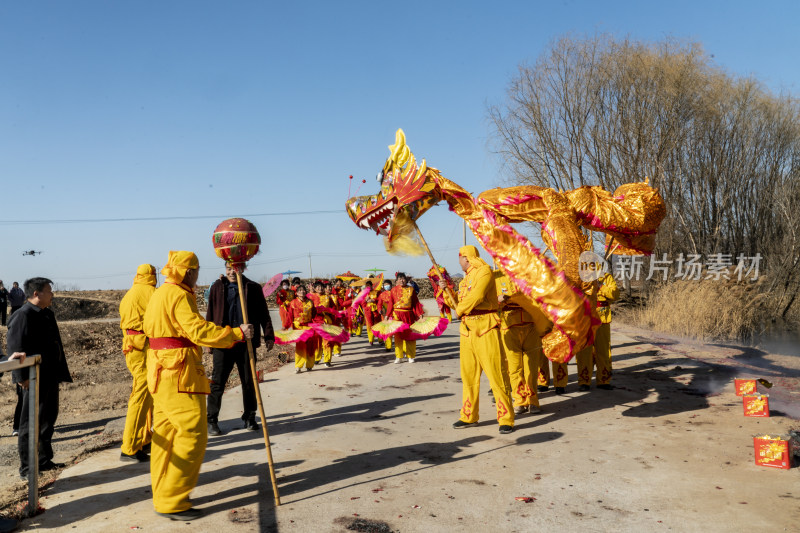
<point x="551" y="291"/>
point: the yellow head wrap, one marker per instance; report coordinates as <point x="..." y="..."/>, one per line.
<point x="145" y="275"/>
<point x="471" y="253"/>
<point x="177" y="265"/>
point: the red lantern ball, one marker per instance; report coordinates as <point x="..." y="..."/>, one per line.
<point x="236" y="240"/>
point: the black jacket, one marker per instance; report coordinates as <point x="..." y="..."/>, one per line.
<point x="257" y="311"/>
<point x="34" y="331"/>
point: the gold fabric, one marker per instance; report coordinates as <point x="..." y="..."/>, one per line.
<point x="550" y="291"/>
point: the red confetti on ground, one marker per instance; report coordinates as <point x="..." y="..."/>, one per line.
<point x="355" y="514"/>
<point x="355" y="497"/>
<point x="743" y="503"/>
<point x="377" y="501"/>
<point x="720" y="488"/>
<point x="415" y="506"/>
<point x="377" y="490"/>
<point x="526" y="499"/>
<point x="322" y="385"/>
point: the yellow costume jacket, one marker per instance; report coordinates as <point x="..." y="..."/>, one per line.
<point x="172" y="314"/>
<point x="477" y="302"/>
<point x="132" y="308"/>
<point x="607" y="293"/>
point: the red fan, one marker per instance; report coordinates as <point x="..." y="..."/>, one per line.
<point x="386" y="328"/>
<point x="292" y="336"/>
<point x="330" y="332"/>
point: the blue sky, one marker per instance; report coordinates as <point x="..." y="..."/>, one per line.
<point x="111" y="111"/>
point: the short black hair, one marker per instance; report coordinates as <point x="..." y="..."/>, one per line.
<point x="35" y="285"/>
<point x="368" y="283"/>
<point x="399" y="275"/>
<point x="296" y="281"/>
<point x="387" y="281"/>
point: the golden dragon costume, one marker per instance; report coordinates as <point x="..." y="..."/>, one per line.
<point x="550" y="291"/>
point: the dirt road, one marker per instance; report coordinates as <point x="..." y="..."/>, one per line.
<point x="368" y="446"/>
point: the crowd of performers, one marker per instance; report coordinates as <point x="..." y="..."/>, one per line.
<point x="163" y="332"/>
<point x="319" y="318"/>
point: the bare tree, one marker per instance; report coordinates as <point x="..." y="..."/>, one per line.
<point x="723" y="151"/>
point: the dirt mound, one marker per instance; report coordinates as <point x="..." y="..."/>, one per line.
<point x="74" y="308"/>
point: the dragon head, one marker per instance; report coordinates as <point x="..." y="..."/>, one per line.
<point x="407" y="191"/>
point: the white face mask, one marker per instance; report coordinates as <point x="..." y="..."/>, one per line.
<point x="387" y="287"/>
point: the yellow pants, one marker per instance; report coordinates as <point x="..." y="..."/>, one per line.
<point x="327" y="351"/>
<point x="139" y="420"/>
<point x="402" y="346"/>
<point x="303" y="354"/>
<point x="522" y="348"/>
<point x="598" y="356"/>
<point x="337" y="348"/>
<point x="483" y="354"/>
<point x="370" y="335"/>
<point x="179" y="444"/>
<point x="388" y="344"/>
<point x="560" y="375"/>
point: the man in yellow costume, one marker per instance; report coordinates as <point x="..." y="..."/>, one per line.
<point x="604" y="291"/>
<point x="177" y="380"/>
<point x="480" y="349"/>
<point x="139" y="420"/>
<point x="522" y="347"/>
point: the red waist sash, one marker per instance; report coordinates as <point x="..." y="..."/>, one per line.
<point x="169" y="343"/>
<point x="133" y="332"/>
<point x="477" y="312"/>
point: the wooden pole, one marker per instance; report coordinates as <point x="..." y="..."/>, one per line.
<point x="435" y="264"/>
<point x="252" y="357"/>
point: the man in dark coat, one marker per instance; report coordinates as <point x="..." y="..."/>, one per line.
<point x="225" y="309"/>
<point x="33" y="330"/>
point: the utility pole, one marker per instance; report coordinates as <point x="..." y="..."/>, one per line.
<point x="310" y="270"/>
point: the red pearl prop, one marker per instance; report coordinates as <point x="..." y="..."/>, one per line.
<point x="236" y="240"/>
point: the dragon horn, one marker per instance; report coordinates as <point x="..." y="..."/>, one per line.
<point x="401" y="153"/>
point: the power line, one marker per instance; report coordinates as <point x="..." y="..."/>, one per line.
<point x="146" y="219"/>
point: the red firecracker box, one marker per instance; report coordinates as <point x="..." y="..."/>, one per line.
<point x="772" y="451"/>
<point x="756" y="404"/>
<point x="744" y="386"/>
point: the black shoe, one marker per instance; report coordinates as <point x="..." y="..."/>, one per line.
<point x="461" y="424"/>
<point x="213" y="429"/>
<point x="561" y="390"/>
<point x="138" y="457"/>
<point x="506" y="429"/>
<point x="146" y="448"/>
<point x="185" y="516"/>
<point x="251" y="424"/>
<point x="543" y="388"/>
<point x="583" y="388"/>
<point x="606" y="386"/>
<point x="50" y="465"/>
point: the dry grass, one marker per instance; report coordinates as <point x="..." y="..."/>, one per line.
<point x="705" y="310"/>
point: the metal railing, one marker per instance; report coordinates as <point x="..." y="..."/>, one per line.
<point x="32" y="363"/>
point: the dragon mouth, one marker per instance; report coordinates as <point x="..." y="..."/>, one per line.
<point x="379" y="220"/>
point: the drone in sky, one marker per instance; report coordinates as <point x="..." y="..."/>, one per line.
<point x="31" y="252"/>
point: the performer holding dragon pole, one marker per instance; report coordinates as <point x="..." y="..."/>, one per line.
<point x="480" y="349"/>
